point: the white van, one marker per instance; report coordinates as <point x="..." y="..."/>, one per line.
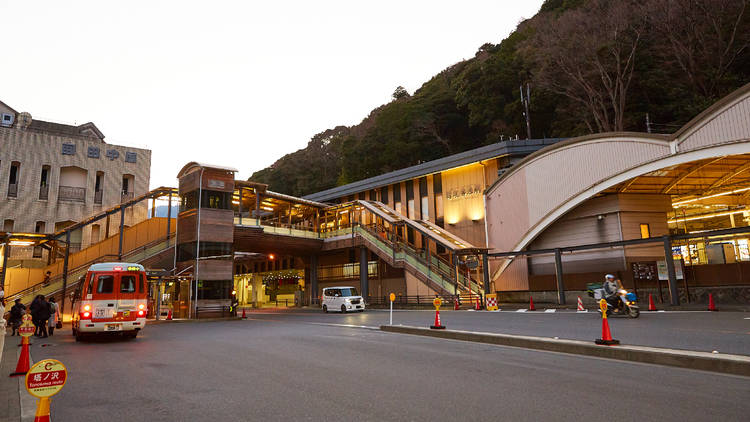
<point x="342" y="298"/>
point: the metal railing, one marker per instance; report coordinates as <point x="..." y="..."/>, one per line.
<point x="126" y="196"/>
<point x="44" y="192"/>
<point x="71" y="193"/>
<point x="98" y="197"/>
<point x="346" y="271"/>
<point x="12" y="190"/>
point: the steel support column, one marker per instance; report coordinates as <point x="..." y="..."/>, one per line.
<point x="6" y="251"/>
<point x="65" y="271"/>
<point x="169" y="217"/>
<point x="122" y="227"/>
<point x="364" y="282"/>
<point x="486" y="273"/>
<point x="313" y="279"/>
<point x="559" y="277"/>
<point x="674" y="298"/>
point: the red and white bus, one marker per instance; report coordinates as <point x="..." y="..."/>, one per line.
<point x="112" y="298"/>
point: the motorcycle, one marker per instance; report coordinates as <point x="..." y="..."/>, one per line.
<point x="624" y="302"/>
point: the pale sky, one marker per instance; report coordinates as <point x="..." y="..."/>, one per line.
<point x="231" y="83"/>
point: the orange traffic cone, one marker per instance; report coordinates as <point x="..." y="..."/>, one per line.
<point x="531" y="304"/>
<point x="437" y="325"/>
<point x="711" y="304"/>
<point x="169" y="315"/>
<point x="478" y="305"/>
<point x="651" y="306"/>
<point x="580" y="305"/>
<point x="42" y="410"/>
<point x="455" y="304"/>
<point x="23" y="359"/>
<point x="606" y="339"/>
<point x="244" y="316"/>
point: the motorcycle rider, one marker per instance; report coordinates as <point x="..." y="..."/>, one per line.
<point x="611" y="287"/>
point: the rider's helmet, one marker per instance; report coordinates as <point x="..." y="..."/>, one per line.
<point x="609" y="277"/>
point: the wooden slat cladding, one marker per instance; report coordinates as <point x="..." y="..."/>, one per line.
<point x="215" y="269"/>
<point x="216" y="226"/>
<point x="220" y="181"/>
<point x="250" y="239"/>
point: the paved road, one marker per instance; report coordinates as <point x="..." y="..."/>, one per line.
<point x="727" y="332"/>
<point x="295" y="369"/>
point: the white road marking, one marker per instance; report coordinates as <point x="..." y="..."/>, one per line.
<point x="550" y="310"/>
<point x="522" y="310"/>
<point x="582" y="312"/>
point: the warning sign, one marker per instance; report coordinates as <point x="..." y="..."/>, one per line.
<point x="46" y="378"/>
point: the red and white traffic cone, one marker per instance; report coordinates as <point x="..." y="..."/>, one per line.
<point x="437" y="325"/>
<point x="244" y="316"/>
<point x="531" y="304"/>
<point x="580" y="305"/>
<point x="455" y="304"/>
<point x="23" y="359"/>
<point x="711" y="304"/>
<point x="169" y="315"/>
<point x="651" y="306"/>
<point x="478" y="305"/>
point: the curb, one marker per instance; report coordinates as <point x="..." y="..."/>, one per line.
<point x="726" y="364"/>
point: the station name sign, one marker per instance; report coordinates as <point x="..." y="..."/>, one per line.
<point x="96" y="152"/>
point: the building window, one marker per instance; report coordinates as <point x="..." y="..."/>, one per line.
<point x="645" y="231"/>
<point x="411" y="211"/>
<point x="15" y="173"/>
<point x="424" y="206"/>
<point x="384" y="195"/>
<point x="361" y="196"/>
<point x="44" y="183"/>
<point x="437" y="188"/>
<point x="98" y="187"/>
<point x="397" y="197"/>
<point x="373" y="195"/>
<point x="8" y="225"/>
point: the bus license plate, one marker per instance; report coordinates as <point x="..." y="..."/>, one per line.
<point x="114" y="327"/>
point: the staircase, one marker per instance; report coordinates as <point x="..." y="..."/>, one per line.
<point x="144" y="253"/>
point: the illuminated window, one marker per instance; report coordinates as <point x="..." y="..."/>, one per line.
<point x="645" y="231"/>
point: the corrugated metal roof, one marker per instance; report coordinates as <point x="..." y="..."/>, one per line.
<point x="516" y="148"/>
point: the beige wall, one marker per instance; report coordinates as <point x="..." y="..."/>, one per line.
<point x="35" y="149"/>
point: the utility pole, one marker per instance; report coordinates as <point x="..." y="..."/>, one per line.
<point x="525" y="102"/>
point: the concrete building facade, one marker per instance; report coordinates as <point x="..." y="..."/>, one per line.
<point x="53" y="175"/>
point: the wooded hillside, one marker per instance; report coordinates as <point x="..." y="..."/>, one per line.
<point x="592" y="66"/>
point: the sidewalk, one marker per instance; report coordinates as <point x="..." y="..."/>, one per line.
<point x="10" y="401"/>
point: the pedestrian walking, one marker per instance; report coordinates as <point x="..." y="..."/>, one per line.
<point x="54" y="319"/>
<point x="34" y="309"/>
<point x="45" y="280"/>
<point x="43" y="315"/>
<point x="16" y="316"/>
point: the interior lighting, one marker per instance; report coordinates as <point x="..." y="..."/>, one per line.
<point x="687" y="201"/>
<point x="704" y="216"/>
<point x="266" y="208"/>
<point x="21" y="242"/>
<point x="235" y="202"/>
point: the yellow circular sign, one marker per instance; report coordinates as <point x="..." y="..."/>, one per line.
<point x="392" y="297"/>
<point x="603" y="307"/>
<point x="26" y="329"/>
<point x="437" y="302"/>
<point x="46" y="378"/>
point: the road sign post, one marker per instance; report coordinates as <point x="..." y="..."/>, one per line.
<point x="392" y="297"/>
<point x="45" y="379"/>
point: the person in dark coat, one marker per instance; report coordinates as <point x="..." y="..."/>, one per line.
<point x="34" y="309"/>
<point x="42" y="315"/>
<point x="16" y="315"/>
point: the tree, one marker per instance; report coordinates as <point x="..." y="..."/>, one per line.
<point x="588" y="56"/>
<point x="703" y="38"/>
<point x="400" y="93"/>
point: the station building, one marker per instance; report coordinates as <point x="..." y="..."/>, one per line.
<point x="541" y="217"/>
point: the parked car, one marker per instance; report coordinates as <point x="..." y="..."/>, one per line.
<point x="342" y="298"/>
